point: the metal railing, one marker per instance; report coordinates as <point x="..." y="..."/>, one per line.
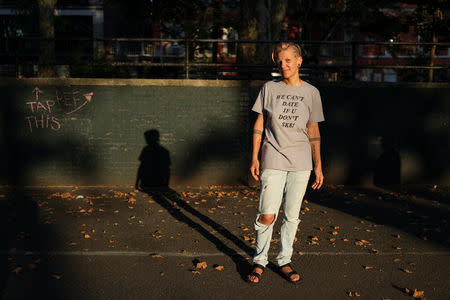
<point x="222" y="59"/>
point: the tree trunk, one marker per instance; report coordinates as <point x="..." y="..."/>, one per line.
<point x="47" y="34"/>
<point x="277" y="13"/>
<point x="249" y="30"/>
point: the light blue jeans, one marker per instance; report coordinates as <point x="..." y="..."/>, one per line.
<point x="275" y="184"/>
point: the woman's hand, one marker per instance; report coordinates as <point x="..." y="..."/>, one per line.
<point x="254" y="169"/>
<point x="319" y="179"/>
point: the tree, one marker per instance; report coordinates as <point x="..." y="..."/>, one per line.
<point x="432" y="19"/>
<point x="47" y="34"/>
<point x="385" y="20"/>
<point x="260" y="20"/>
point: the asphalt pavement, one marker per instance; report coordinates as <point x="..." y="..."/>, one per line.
<point x="197" y="242"/>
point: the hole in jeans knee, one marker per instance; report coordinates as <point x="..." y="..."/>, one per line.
<point x="266" y="219"/>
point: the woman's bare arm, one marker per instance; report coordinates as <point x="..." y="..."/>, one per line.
<point x="314" y="140"/>
<point x="258" y="129"/>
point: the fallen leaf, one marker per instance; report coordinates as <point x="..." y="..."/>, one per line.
<point x="335" y="233"/>
<point x="246" y="238"/>
<point x="201" y="265"/>
<point x="161" y="274"/>
<point x="418" y="294"/>
<point x="195" y="272"/>
<point x="353" y="294"/>
<point x="87" y="236"/>
<point x="368" y="267"/>
<point x="407" y="271"/>
<point x="397" y="260"/>
<point x="219" y="268"/>
<point x="17" y="270"/>
<point x="156" y="255"/>
<point x="56" y="276"/>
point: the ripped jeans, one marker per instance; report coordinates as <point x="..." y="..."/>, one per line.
<point x="275" y="184"/>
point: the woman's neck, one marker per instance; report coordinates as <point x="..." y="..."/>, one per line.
<point x="294" y="80"/>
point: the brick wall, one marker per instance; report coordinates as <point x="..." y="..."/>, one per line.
<point x="91" y="131"/>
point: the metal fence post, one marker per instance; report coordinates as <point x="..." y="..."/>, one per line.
<point x="186" y="58"/>
<point x="353" y="60"/>
<point x="16" y="56"/>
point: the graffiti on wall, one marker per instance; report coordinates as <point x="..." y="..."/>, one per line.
<point x="48" y="111"/>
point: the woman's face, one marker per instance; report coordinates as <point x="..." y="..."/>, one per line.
<point x="288" y="63"/>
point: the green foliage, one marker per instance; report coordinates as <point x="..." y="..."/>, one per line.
<point x="195" y="19"/>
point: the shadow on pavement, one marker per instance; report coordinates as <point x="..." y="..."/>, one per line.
<point x="425" y="219"/>
<point x="173" y="203"/>
<point x="153" y="178"/>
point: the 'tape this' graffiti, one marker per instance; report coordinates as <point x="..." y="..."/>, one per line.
<point x="46" y="112"/>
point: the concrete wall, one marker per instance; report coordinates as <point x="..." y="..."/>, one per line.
<point x="91" y="131"/>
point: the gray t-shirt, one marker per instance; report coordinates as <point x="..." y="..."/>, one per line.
<point x="287" y="110"/>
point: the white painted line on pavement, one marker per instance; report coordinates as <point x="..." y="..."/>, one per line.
<point x="206" y="254"/>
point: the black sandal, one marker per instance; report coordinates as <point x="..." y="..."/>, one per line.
<point x="257" y="275"/>
<point x="288" y="276"/>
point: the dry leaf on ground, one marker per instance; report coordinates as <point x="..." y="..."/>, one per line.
<point x="201" y="265"/>
<point x="219" y="268"/>
<point x="407" y="271"/>
<point x="418" y="294"/>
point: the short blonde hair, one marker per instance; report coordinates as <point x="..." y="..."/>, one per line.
<point x="284" y="46"/>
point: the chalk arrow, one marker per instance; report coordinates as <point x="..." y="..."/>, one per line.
<point x="88" y="97"/>
<point x="36" y="92"/>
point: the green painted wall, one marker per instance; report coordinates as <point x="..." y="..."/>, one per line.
<point x="91" y="131"/>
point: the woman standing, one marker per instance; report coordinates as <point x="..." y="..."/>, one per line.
<point x="288" y="114"/>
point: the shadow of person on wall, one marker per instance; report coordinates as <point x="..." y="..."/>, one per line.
<point x="153" y="178"/>
<point x="388" y="165"/>
<point x="154" y="170"/>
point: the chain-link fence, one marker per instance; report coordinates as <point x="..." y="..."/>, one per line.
<point x="223" y="59"/>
